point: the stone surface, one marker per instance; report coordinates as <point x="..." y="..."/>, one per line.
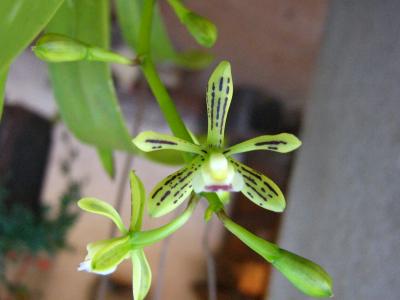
<point x="344" y="201"/>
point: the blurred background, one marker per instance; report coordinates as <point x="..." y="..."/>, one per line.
<point x="328" y="71"/>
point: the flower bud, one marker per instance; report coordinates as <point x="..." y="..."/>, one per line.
<point x="59" y="48"/>
<point x="304" y="274"/>
<point x="202" y="29"/>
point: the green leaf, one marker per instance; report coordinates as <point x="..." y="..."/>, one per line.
<point x="84" y="90"/>
<point x="3" y="79"/>
<point x="304" y="274"/>
<point x="202" y="29"/>
<point x="129" y="14"/>
<point x="138" y="201"/>
<point x="141" y="275"/>
<point x="20" y="22"/>
<point x="102" y="208"/>
<point x="107" y="160"/>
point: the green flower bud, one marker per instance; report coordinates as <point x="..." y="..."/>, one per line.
<point x="59" y="48"/>
<point x="304" y="274"/>
<point x="202" y="29"/>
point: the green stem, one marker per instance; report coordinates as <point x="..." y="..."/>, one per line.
<point x="149" y="237"/>
<point x="165" y="102"/>
<point x="158" y="89"/>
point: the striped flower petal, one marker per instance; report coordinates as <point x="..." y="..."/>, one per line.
<point x="152" y="141"/>
<point x="174" y="189"/>
<point x="283" y="143"/>
<point x="260" y="189"/>
<point x="219" y="96"/>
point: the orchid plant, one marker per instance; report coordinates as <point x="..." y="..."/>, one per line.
<point x="213" y="169"/>
<point x="76" y="48"/>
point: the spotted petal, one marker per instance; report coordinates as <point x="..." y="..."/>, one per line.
<point x="219" y="96"/>
<point x="152" y="141"/>
<point x="174" y="189"/>
<point x="283" y="143"/>
<point x="260" y="189"/>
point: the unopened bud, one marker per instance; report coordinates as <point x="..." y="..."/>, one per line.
<point x="202" y="29"/>
<point x="59" y="48"/>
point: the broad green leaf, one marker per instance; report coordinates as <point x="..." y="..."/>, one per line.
<point x="102" y="208"/>
<point x="138" y="200"/>
<point x="141" y="274"/>
<point x="107" y="160"/>
<point x="3" y="79"/>
<point x="20" y="22"/>
<point x="84" y="90"/>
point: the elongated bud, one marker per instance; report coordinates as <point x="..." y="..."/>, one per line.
<point x="59" y="48"/>
<point x="304" y="274"/>
<point x="202" y="29"/>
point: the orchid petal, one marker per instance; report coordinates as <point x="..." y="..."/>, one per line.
<point x="100" y="207"/>
<point x="219" y="96"/>
<point x="141" y="274"/>
<point x="153" y="141"/>
<point x="173" y="190"/>
<point x="111" y="255"/>
<point x="138" y="199"/>
<point x="283" y="143"/>
<point x="260" y="189"/>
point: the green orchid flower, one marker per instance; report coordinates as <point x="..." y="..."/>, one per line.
<point x="103" y="257"/>
<point x="213" y="169"/>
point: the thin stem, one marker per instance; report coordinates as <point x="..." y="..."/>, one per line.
<point x="165" y="102"/>
<point x="211" y="273"/>
<point x="159" y="91"/>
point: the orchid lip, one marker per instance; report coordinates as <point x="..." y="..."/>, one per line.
<point x="218" y="188"/>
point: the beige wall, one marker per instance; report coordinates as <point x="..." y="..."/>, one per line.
<point x="271" y="44"/>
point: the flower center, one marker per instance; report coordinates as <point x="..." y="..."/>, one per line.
<point x="218" y="166"/>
